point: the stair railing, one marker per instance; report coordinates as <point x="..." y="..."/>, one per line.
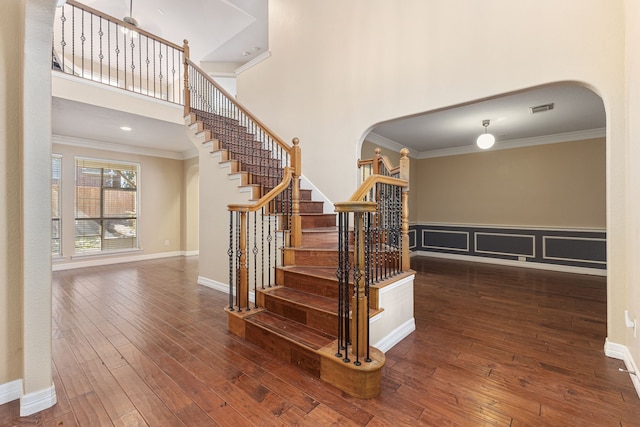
<point x="258" y="231"/>
<point x="90" y="44"/>
<point x="375" y="221"/>
<point x="378" y="165"/>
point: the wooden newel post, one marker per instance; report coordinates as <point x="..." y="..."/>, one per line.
<point x="187" y="92"/>
<point x="404" y="174"/>
<point x="376" y="161"/>
<point x="296" y="220"/>
<point x="243" y="271"/>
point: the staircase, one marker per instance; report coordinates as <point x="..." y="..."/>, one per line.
<point x="313" y="308"/>
<point x="295" y="317"/>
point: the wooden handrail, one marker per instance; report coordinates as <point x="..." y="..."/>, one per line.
<point x="271" y="195"/>
<point x="241" y="107"/>
<point x="122" y="23"/>
<point x="379" y="158"/>
<point x="371" y="181"/>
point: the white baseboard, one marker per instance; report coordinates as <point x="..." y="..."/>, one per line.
<point x="397" y="335"/>
<point x="621" y="352"/>
<point x="219" y="286"/>
<point x="120" y="258"/>
<point x="37" y="401"/>
<point x="10" y="391"/>
<point x="511" y="263"/>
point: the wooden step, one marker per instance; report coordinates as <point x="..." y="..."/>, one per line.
<point x="309" y="309"/>
<point x="316" y="280"/>
<point x="318" y="257"/>
<point x="318" y="220"/>
<point x="289" y="340"/>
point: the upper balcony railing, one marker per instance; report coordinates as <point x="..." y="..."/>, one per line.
<point x="95" y="46"/>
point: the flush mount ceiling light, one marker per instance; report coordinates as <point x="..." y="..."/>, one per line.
<point x="125" y="128"/>
<point x="485" y="140"/>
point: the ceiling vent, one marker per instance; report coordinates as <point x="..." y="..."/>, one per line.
<point x="541" y="108"/>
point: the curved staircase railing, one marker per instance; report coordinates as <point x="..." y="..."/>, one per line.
<point x="379" y="214"/>
<point x="90" y="44"/>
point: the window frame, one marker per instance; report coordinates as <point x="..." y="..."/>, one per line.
<point x="104" y="218"/>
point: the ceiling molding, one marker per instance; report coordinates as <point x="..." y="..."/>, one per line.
<point x="500" y="145"/>
<point x="121" y="148"/>
<point x="255" y="61"/>
<point x="384" y="142"/>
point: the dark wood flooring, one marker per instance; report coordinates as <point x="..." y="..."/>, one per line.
<point x="143" y="344"/>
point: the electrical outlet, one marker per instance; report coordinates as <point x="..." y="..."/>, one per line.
<point x="522" y="258"/>
<point x="166" y="243"/>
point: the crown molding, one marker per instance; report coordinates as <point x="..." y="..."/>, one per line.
<point x="121" y="148"/>
<point x="384" y="142"/>
<point x="255" y="61"/>
<point x="500" y="145"/>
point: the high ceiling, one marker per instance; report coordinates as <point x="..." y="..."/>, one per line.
<point x="235" y="31"/>
<point x="218" y="30"/>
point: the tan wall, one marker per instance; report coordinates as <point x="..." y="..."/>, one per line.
<point x="190" y="226"/>
<point x="554" y="185"/>
<point x="161" y="196"/>
<point x="11" y="20"/>
<point x="430" y="55"/>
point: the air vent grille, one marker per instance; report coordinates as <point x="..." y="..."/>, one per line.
<point x="541" y="108"/>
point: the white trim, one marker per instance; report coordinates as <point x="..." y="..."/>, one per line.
<point x="415" y="236"/>
<point x="430" y="230"/>
<point x="191" y="253"/>
<point x="219" y="286"/>
<point x="213" y="284"/>
<point x="255" y="61"/>
<point x="500" y="145"/>
<point x="390" y="287"/>
<point x="621" y="352"/>
<point x="121" y="148"/>
<point x="529" y="236"/>
<point x="588" y="239"/>
<point x="108" y="259"/>
<point x="397" y="335"/>
<point x="497" y="261"/>
<point x="509" y="227"/>
<point x="308" y="185"/>
<point x="10" y="391"/>
<point x="38" y="401"/>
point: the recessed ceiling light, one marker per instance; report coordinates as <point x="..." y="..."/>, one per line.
<point x="125" y="128"/>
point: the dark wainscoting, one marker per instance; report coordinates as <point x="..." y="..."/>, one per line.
<point x="573" y="248"/>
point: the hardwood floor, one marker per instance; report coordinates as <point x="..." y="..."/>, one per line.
<point x="143" y="344"/>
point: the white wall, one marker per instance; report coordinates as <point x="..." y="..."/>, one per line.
<point x="354" y="64"/>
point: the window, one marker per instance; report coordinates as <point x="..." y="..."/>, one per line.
<point x="106" y="210"/>
<point x="56" y="167"/>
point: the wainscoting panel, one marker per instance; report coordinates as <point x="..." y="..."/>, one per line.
<point x="572" y="248"/>
<point x="445" y="239"/>
<point x="505" y="244"/>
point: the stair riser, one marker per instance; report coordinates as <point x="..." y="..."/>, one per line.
<point x="311" y="284"/>
<point x="301" y="257"/>
<point x="317" y="319"/>
<point x="283" y="348"/>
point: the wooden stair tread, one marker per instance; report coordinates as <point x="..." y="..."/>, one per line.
<point x="291" y="330"/>
<point x="322" y="272"/>
<point x="314" y="301"/>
